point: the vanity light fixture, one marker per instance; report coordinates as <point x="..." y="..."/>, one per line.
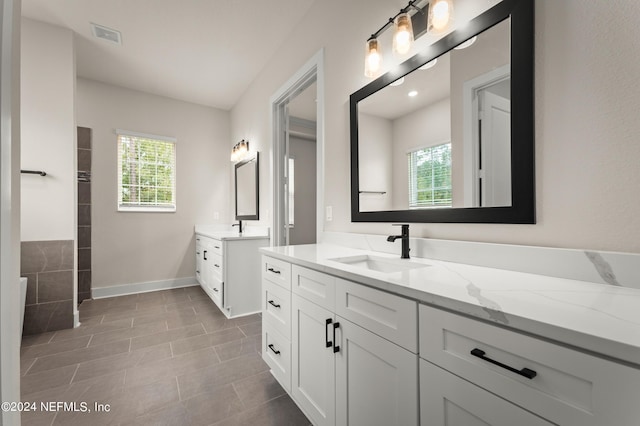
<point x="438" y="13"/>
<point x="240" y="150"/>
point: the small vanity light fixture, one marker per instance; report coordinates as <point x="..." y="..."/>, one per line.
<point x="373" y="58"/>
<point x="403" y="34"/>
<point x="439" y="15"/>
<point x="240" y="150"/>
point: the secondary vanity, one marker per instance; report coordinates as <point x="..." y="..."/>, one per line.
<point x="227" y="257"/>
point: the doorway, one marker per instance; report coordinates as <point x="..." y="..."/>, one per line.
<point x="297" y="156"/>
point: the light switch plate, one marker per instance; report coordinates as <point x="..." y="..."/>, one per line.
<point x="329" y="213"/>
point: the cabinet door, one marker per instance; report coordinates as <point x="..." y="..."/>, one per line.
<point x="448" y="400"/>
<point x="376" y="380"/>
<point x="199" y="270"/>
<point x="312" y="362"/>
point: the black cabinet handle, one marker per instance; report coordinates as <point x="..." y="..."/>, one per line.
<point x="335" y="348"/>
<point x="272" y="303"/>
<point x="273" y="270"/>
<point x="215" y="289"/>
<point x="197" y="272"/>
<point x="326" y="333"/>
<point x="217" y="247"/>
<point x="197" y="252"/>
<point x="216" y="265"/>
<point x="274" y="351"/>
<point x="205" y="255"/>
<point x="525" y="372"/>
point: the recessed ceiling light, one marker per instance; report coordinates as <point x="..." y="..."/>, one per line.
<point x="413" y="93"/>
<point x="429" y="64"/>
<point x="105" y="33"/>
<point x="466" y="43"/>
<point x="398" y="82"/>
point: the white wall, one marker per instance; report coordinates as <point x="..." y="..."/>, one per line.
<point x="140" y="247"/>
<point x="10" y="208"/>
<point x="375" y="155"/>
<point x="428" y="126"/>
<point x="48" y="132"/>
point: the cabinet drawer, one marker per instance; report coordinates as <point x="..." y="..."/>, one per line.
<point x="216" y="291"/>
<point x="276" y="307"/>
<point x="276" y="352"/>
<point x="392" y="317"/>
<point x="276" y="271"/>
<point x="215" y="261"/>
<point x="569" y="387"/>
<point x="315" y="286"/>
<point x="448" y="400"/>
<point x="216" y="246"/>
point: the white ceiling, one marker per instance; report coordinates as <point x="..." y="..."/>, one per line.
<point x="201" y="51"/>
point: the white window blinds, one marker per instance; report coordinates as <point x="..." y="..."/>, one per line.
<point x="430" y="177"/>
<point x="146" y="173"/>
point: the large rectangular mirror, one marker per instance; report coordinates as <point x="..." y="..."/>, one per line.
<point x="448" y="136"/>
<point x="247" y="188"/>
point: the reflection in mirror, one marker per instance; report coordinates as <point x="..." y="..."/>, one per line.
<point x="442" y="137"/>
<point x="247" y="189"/>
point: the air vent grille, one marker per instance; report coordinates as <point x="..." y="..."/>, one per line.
<point x="107" y="34"/>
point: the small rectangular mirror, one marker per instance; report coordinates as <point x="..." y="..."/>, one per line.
<point x="247" y="185"/>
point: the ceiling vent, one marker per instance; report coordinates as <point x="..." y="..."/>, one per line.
<point x="107" y="34"/>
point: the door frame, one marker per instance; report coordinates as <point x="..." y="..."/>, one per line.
<point x="470" y="128"/>
<point x="312" y="70"/>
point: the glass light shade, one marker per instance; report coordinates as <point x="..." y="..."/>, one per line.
<point x="403" y="34"/>
<point x="372" y="59"/>
<point x="440" y="15"/>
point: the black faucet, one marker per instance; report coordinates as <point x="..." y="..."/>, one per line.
<point x="239" y="225"/>
<point x="405" y="240"/>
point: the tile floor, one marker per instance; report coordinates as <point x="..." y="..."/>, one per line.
<point x="163" y="358"/>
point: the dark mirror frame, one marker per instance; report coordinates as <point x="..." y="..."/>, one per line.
<point x="240" y="164"/>
<point x="522" y="209"/>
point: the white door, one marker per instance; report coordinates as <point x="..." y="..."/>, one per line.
<point x="376" y="380"/>
<point x="448" y="400"/>
<point x="495" y="150"/>
<point x="313" y="361"/>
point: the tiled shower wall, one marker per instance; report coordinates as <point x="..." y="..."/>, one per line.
<point x="48" y="266"/>
<point x="84" y="213"/>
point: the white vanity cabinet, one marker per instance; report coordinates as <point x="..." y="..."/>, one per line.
<point x="465" y="361"/>
<point x="228" y="271"/>
<point x="341" y="371"/>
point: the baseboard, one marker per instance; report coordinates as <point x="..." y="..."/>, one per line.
<point x="144" y="287"/>
<point x="76" y="318"/>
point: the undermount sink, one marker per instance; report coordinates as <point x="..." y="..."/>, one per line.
<point x="379" y="264"/>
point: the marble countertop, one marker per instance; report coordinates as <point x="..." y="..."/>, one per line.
<point x="599" y="318"/>
<point x="220" y="233"/>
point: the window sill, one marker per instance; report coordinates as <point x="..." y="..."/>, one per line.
<point x="147" y="209"/>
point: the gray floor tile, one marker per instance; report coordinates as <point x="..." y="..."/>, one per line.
<point x="150" y="359"/>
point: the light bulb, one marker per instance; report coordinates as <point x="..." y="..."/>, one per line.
<point x="440" y="15"/>
<point x="373" y="59"/>
<point x="403" y="35"/>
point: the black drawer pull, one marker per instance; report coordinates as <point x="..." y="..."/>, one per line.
<point x="272" y="303"/>
<point x="274" y="351"/>
<point x="216" y="265"/>
<point x="335" y="348"/>
<point x="273" y="270"/>
<point x="217" y="247"/>
<point x="326" y="333"/>
<point x="197" y="272"/>
<point x="215" y="289"/>
<point x="205" y="255"/>
<point x="197" y="252"/>
<point x="525" y="372"/>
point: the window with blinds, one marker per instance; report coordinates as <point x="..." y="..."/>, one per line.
<point x="146" y="173"/>
<point x="430" y="177"/>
